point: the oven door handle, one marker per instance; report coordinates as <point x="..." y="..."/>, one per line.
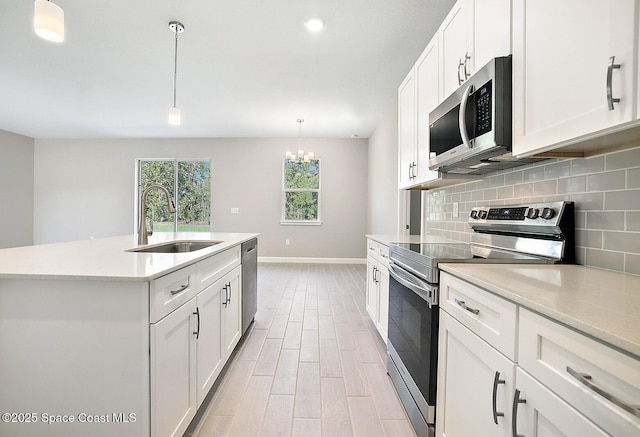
<point x="427" y="292"/>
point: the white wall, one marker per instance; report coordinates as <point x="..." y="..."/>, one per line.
<point x="382" y="209"/>
<point x="85" y="188"/>
<point x="16" y="180"/>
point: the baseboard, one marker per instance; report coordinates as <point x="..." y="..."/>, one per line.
<point x="304" y="260"/>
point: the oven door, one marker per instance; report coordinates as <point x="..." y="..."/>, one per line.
<point x="413" y="342"/>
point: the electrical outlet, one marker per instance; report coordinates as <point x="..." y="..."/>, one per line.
<point x="286" y="242"/>
<point x="456" y="212"/>
<point x="235" y="210"/>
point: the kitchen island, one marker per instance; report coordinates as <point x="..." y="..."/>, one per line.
<point x="98" y="340"/>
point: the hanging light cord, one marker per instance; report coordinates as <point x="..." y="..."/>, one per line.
<point x="300" y="133"/>
<point x="175" y="68"/>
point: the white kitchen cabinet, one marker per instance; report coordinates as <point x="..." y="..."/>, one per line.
<point x="475" y="384"/>
<point x="562" y="53"/>
<point x="543" y="398"/>
<point x="377" y="287"/>
<point x="210" y="360"/>
<point x="474" y="32"/>
<point x="407" y="131"/>
<point x="173" y="372"/>
<point x="231" y="319"/>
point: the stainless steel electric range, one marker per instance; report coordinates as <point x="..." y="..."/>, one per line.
<point x="531" y="233"/>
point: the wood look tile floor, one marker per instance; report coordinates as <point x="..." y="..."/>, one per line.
<point x="311" y="365"/>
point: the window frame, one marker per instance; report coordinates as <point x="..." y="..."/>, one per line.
<point x="138" y="189"/>
<point x="283" y="209"/>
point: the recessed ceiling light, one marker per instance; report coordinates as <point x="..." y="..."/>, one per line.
<point x="314" y="24"/>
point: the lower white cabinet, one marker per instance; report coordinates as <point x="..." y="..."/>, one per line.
<point x="475" y="384"/>
<point x="560" y="383"/>
<point x="377" y="293"/>
<point x="231" y="311"/>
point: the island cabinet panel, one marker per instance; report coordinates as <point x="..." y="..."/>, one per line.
<point x="76" y="353"/>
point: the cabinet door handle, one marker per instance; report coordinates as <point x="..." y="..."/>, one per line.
<point x="228" y="287"/>
<point x="467" y="75"/>
<point x="514" y="414"/>
<point x="496" y="381"/>
<point x="180" y="290"/>
<point x="586" y="380"/>
<point x="197" y="314"/>
<point x="464" y="306"/>
<point x="460" y="64"/>
<point x="612" y="65"/>
<point x="226" y="296"/>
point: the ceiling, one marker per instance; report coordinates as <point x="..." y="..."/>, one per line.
<point x="246" y="68"/>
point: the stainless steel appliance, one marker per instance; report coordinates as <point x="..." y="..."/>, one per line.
<point x="470" y="131"/>
<point x="249" y="257"/>
<point x="533" y="233"/>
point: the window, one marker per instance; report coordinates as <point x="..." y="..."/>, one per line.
<point x="301" y="192"/>
<point x="189" y="183"/>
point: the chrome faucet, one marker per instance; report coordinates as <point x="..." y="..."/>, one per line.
<point x="143" y="233"/>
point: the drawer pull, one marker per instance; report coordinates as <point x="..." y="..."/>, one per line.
<point x="181" y="289"/>
<point x="496" y="381"/>
<point x="514" y="414"/>
<point x="462" y="305"/>
<point x="585" y="379"/>
<point x="197" y="314"/>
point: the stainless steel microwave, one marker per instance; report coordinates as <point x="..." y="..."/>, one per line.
<point x="470" y="132"/>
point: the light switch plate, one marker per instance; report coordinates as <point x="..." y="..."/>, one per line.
<point x="235" y="210"/>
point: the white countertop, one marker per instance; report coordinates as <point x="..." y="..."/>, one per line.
<point x="387" y="239"/>
<point x="600" y="303"/>
<point x="107" y="258"/>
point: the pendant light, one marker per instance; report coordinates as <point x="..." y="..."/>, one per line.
<point x="48" y="20"/>
<point x="301" y="156"/>
<point x="175" y="114"/>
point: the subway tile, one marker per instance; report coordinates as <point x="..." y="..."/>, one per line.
<point x="310" y="346"/>
<point x="605" y="259"/>
<point x="284" y="380"/>
<point x="505" y="192"/>
<point x="330" y="365"/>
<point x="545" y="188"/>
<point x="310" y="320"/>
<point x="613" y="180"/>
<point x="588" y="201"/>
<point x="292" y="335"/>
<point x="623" y="159"/>
<point x="344" y="336"/>
<point x="495" y="181"/>
<point x="632" y="220"/>
<point x="580" y="220"/>
<point x="588" y="238"/>
<point x="622" y="200"/>
<point x="633" y="178"/>
<point x="514" y="177"/>
<point x="587" y="165"/>
<point x="490" y="194"/>
<point x="605" y="220"/>
<point x="533" y="174"/>
<point x="326" y="328"/>
<point x="621" y="241"/>
<point x="577" y="184"/>
<point x="557" y="169"/>
<point x="523" y="190"/>
<point x="632" y="264"/>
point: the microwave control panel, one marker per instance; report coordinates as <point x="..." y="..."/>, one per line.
<point x="483" y="97"/>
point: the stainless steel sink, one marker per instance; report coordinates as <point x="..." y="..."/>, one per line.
<point x="175" y="247"/>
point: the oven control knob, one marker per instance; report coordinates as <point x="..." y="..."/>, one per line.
<point x="482" y="214"/>
<point x="533" y="213"/>
<point x="474" y="214"/>
<point x="548" y="213"/>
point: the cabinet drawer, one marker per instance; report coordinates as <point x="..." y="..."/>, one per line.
<point x="547" y="349"/>
<point x="383" y="251"/>
<point x="373" y="248"/>
<point x="169" y="292"/>
<point x="213" y="268"/>
<point x="491" y="317"/>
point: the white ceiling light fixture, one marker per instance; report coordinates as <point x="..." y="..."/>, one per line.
<point x="301" y="156"/>
<point x="48" y="20"/>
<point x="175" y="113"/>
<point x="314" y="24"/>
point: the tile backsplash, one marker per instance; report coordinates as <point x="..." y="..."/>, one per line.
<point x="605" y="189"/>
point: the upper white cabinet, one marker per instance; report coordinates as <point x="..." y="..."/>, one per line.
<point x="407" y="131"/>
<point x="572" y="61"/>
<point x="474" y="32"/>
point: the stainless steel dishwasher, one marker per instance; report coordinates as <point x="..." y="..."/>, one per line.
<point x="249" y="282"/>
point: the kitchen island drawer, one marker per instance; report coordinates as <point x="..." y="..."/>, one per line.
<point x="215" y="267"/>
<point x="601" y="382"/>
<point x="491" y="317"/>
<point x="169" y="292"/>
<point x="373" y="248"/>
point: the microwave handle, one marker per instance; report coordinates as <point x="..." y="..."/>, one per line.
<point x="462" y="121"/>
